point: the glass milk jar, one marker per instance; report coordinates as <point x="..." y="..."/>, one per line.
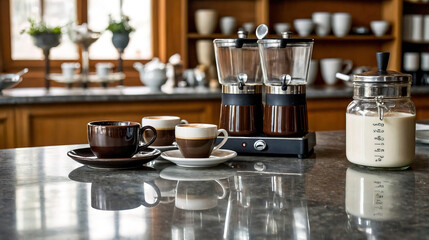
<point x="381" y="119"/>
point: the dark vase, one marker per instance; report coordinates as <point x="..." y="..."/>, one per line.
<point x="120" y="40"/>
<point x="46" y="41"/>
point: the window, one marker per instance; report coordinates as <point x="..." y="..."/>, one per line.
<point x="140" y="18"/>
<point x="64" y="12"/>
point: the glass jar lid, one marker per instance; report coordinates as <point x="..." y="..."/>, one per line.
<point x="381" y="75"/>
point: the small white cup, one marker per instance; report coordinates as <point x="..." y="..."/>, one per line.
<point x="249" y="27"/>
<point x="322" y="22"/>
<point x="227" y="25"/>
<point x="304" y="27"/>
<point x="411" y="61"/>
<point x="281" y="27"/>
<point x="330" y="66"/>
<point x="341" y="24"/>
<point x="69" y="69"/>
<point x="379" y="28"/>
<point x="205" y="21"/>
<point x="312" y="72"/>
<point x="103" y="69"/>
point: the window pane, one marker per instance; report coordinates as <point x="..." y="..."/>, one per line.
<point x="139" y="12"/>
<point x="56" y="12"/>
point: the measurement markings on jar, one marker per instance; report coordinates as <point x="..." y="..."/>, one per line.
<point x="378" y="132"/>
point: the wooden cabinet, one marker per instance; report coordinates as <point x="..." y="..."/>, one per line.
<point x="57" y="124"/>
<point x="7" y="127"/>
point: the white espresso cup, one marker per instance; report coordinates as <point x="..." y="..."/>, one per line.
<point x="103" y="69"/>
<point x="69" y="69"/>
<point x="227" y="25"/>
<point x="205" y="21"/>
<point x="341" y="24"/>
<point x="322" y="22"/>
<point x="198" y="195"/>
<point x="197" y="140"/>
<point x="165" y="128"/>
<point x="329" y="67"/>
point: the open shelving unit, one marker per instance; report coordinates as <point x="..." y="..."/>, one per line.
<point x="360" y="49"/>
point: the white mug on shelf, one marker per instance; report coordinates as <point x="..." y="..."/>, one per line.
<point x="413" y="27"/>
<point x="411" y="61"/>
<point x="426" y="28"/>
<point x="205" y="21"/>
<point x="227" y="25"/>
<point x="330" y="66"/>
<point x="424" y="61"/>
<point x="322" y="22"/>
<point x="341" y="24"/>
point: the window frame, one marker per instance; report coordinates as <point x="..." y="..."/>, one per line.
<point x="7" y="64"/>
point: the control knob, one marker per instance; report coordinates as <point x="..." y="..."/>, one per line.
<point x="260" y="145"/>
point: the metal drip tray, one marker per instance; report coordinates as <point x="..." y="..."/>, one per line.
<point x="300" y="146"/>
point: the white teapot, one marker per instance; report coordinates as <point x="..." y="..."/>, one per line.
<point x="153" y="74"/>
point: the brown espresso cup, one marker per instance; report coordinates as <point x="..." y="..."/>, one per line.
<point x="164" y="126"/>
<point x="197" y="140"/>
<point x="117" y="139"/>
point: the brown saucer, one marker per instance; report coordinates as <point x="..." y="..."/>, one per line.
<point x="86" y="157"/>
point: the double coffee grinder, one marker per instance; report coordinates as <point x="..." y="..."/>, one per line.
<point x="263" y="82"/>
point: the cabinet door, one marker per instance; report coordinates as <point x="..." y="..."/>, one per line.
<point x="42" y="125"/>
<point x="7" y="127"/>
<point x="327" y="114"/>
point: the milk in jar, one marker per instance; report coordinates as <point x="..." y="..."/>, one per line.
<point x="381" y="119"/>
<point x="381" y="143"/>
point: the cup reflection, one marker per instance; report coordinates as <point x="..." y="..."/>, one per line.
<point x="119" y="190"/>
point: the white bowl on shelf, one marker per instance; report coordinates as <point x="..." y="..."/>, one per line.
<point x="304" y="27"/>
<point x="379" y="28"/>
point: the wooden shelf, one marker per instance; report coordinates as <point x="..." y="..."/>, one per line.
<point x="327" y="38"/>
<point x="416" y="42"/>
<point x="417" y="3"/>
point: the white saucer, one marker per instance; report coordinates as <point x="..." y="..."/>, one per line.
<point x="422" y="136"/>
<point x="176" y="173"/>
<point x="164" y="148"/>
<point x="219" y="156"/>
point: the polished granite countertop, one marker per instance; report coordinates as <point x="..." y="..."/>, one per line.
<point x="65" y="95"/>
<point x="47" y="195"/>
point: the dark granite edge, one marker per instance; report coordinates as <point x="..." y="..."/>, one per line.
<point x="26" y="96"/>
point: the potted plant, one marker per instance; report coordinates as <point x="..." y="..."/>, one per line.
<point x="44" y="37"/>
<point x="121" y="32"/>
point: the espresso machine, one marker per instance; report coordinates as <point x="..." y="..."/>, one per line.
<point x="271" y="73"/>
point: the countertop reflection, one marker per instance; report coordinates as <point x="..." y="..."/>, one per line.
<point x="45" y="194"/>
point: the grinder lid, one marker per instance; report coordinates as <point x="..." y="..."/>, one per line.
<point x="239" y="42"/>
<point x="382" y="75"/>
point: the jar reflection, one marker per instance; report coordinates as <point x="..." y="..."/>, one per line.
<point x="378" y="201"/>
